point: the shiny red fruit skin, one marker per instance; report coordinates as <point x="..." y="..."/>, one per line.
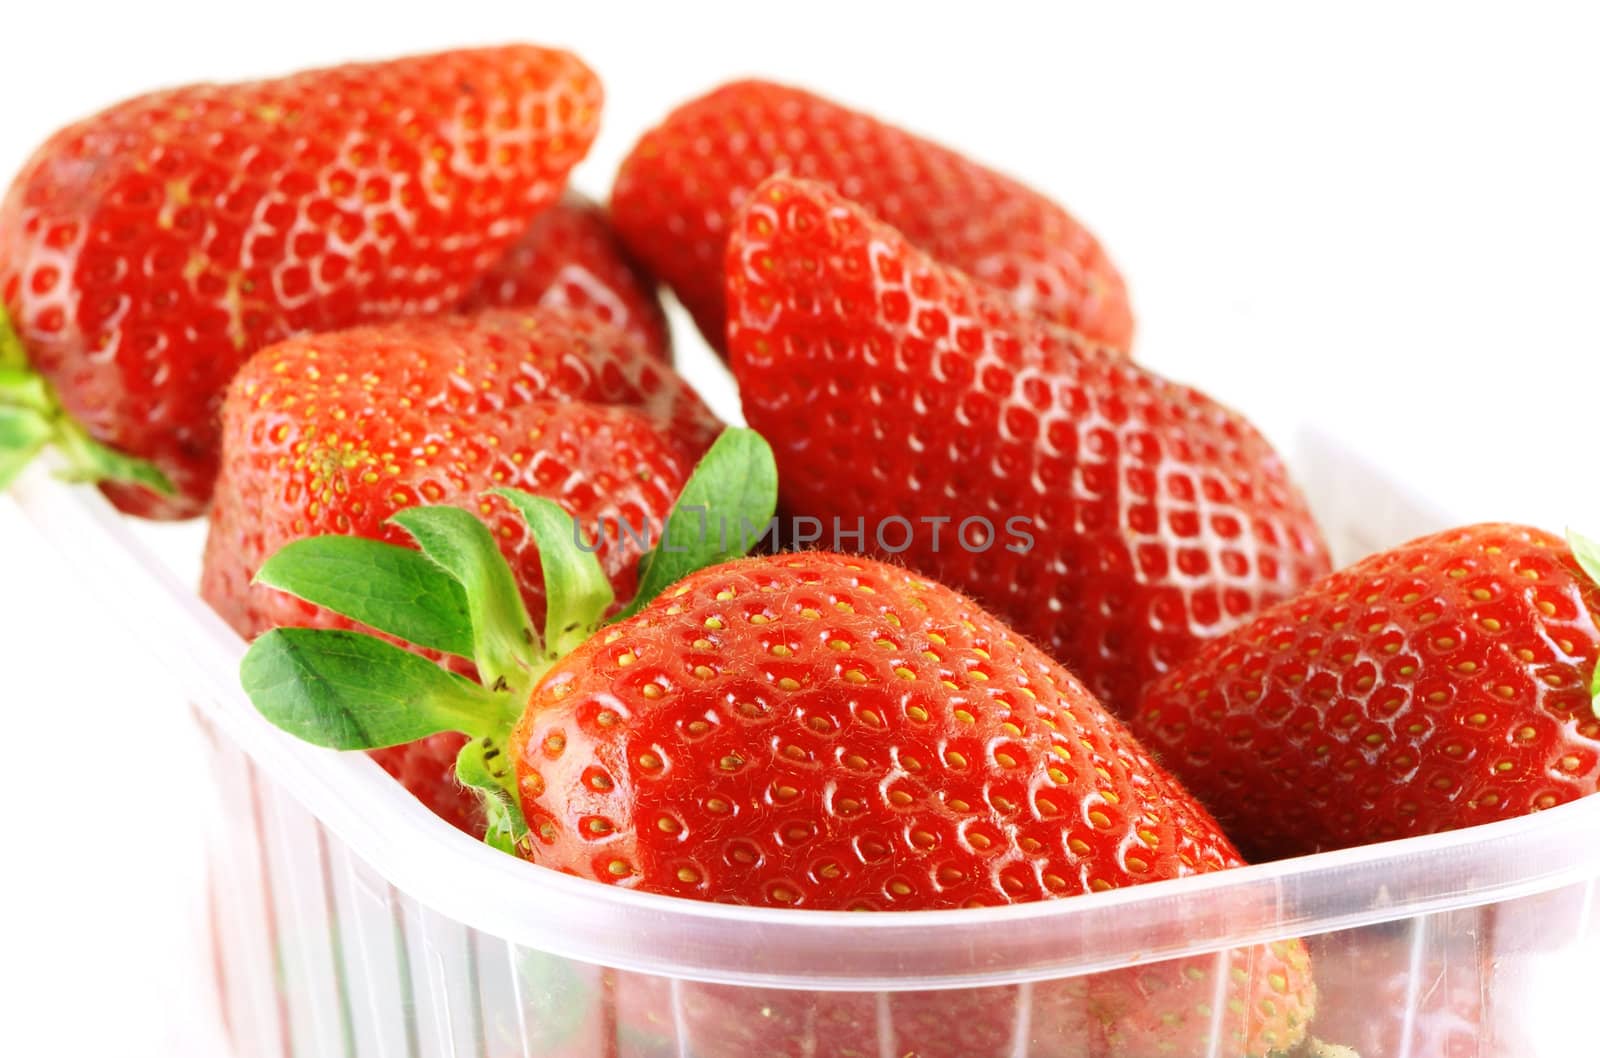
<point x="147" y="251"/>
<point x="570" y="258"/>
<point x="829" y="732"/>
<point x="893" y="387"/>
<point x="678" y="191"/>
<point x="870" y="738"/>
<point x="1437" y="685"/>
<point x="333" y="434"/>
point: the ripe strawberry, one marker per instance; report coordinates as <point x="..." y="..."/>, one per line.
<point x="827" y="732"/>
<point x="145" y="252"/>
<point x="1384" y="1000"/>
<point x="677" y="192"/>
<point x="881" y="742"/>
<point x="816" y="731"/>
<point x="332" y="434"/>
<point x="1116" y="518"/>
<point x="1436" y="685"/>
<point x="570" y="258"/>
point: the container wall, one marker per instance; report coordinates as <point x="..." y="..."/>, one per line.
<point x="318" y="956"/>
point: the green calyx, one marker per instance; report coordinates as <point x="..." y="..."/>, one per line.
<point x="31" y="418"/>
<point x="1587" y="552"/>
<point x="1315" y="1048"/>
<point x="456" y="595"/>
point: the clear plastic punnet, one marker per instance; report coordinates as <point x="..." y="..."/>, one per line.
<point x="342" y="919"/>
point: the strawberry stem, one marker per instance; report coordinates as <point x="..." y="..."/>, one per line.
<point x="1587" y="552"/>
<point x="32" y="419"/>
<point x="349" y="690"/>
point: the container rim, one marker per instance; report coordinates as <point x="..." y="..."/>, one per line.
<point x="536" y="908"/>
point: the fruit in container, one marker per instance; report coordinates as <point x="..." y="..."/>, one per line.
<point x="1384" y="993"/>
<point x="333" y="433"/>
<point x="1440" y="684"/>
<point x="796" y="731"/>
<point x="147" y="251"/>
<point x="1116" y="518"/>
<point x="679" y="190"/>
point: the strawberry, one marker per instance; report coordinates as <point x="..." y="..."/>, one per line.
<point x="921" y="705"/>
<point x="678" y="191"/>
<point x="334" y="433"/>
<point x="427" y="768"/>
<point x="812" y="731"/>
<point x="569" y="257"/>
<point x="147" y="251"/>
<point x="1385" y="996"/>
<point x="1436" y="685"/>
<point x="1116" y="518"/>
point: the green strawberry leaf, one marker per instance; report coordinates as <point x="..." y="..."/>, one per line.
<point x="483" y="766"/>
<point x="31" y="417"/>
<point x="1587" y="552"/>
<point x="349" y="690"/>
<point x="23" y="432"/>
<point x="26" y="429"/>
<point x="22" y="387"/>
<point x="392" y="589"/>
<point x="733" y="490"/>
<point x="577" y="591"/>
<point x="90" y="461"/>
<point x="505" y="645"/>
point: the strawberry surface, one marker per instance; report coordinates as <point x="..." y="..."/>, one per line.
<point x="147" y="251"/>
<point x="570" y="258"/>
<point x="678" y="191"/>
<point x="900" y="394"/>
<point x="333" y="434"/>
<point x="829" y="732"/>
<point x="1436" y="685"/>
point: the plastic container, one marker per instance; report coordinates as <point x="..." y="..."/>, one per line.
<point x="344" y="920"/>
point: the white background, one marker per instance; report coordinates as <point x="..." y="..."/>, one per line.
<point x="1384" y="223"/>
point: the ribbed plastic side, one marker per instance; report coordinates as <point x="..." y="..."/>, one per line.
<point x="325" y="959"/>
<point x="314" y="953"/>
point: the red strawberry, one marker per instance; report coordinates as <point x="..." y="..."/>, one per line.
<point x="1437" y="685"/>
<point x="570" y="258"/>
<point x="145" y="252"/>
<point x="825" y="731"/>
<point x="839" y="709"/>
<point x="678" y="191"/>
<point x="333" y="434"/>
<point x="1128" y="518"/>
<point x="1384" y="995"/>
<point x="427" y="768"/>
